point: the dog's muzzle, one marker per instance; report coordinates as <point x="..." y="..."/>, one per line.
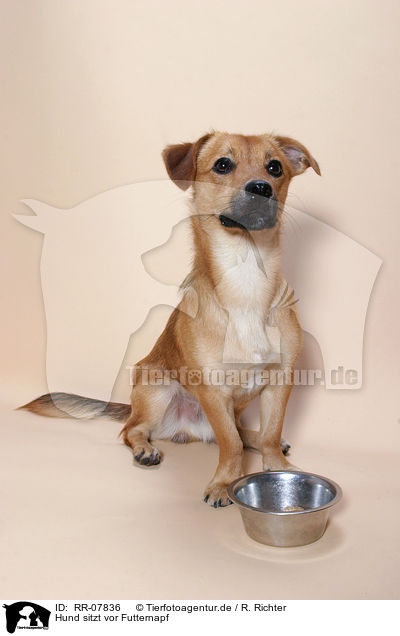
<point x="254" y="208"/>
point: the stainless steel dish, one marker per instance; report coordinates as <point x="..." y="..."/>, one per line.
<point x="284" y="508"/>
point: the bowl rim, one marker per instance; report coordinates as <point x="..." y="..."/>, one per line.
<point x="334" y="500"/>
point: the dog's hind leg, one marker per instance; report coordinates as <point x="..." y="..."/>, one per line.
<point x="137" y="437"/>
<point x="251" y="438"/>
<point x="285" y="446"/>
<point x="148" y="407"/>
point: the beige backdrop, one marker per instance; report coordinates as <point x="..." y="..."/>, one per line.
<point x="91" y="92"/>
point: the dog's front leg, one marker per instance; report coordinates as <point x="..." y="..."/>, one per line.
<point x="220" y="413"/>
<point x="274" y="398"/>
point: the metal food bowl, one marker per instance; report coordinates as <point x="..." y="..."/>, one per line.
<point x="284" y="508"/>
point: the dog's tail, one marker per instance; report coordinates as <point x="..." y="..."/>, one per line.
<point x="76" y="406"/>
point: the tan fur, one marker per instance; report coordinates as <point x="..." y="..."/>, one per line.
<point x="199" y="342"/>
<point x="234" y="289"/>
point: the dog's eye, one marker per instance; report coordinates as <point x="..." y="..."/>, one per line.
<point x="223" y="165"/>
<point x="274" y="168"/>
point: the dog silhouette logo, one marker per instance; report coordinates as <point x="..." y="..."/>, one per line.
<point x="94" y="272"/>
<point x="104" y="268"/>
<point x="26" y="615"/>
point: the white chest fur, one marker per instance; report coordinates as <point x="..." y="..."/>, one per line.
<point x="249" y="340"/>
<point x="245" y="291"/>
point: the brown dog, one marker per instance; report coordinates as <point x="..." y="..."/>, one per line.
<point x="233" y="292"/>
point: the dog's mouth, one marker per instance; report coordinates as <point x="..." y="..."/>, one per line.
<point x="250" y="212"/>
<point x="226" y="221"/>
<point x="252" y="221"/>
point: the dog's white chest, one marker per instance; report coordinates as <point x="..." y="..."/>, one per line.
<point x="249" y="340"/>
<point x="244" y="289"/>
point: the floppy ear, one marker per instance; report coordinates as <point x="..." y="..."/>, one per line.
<point x="181" y="161"/>
<point x="299" y="157"/>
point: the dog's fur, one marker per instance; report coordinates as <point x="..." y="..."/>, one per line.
<point x="222" y="315"/>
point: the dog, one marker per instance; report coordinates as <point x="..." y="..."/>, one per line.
<point x="233" y="292"/>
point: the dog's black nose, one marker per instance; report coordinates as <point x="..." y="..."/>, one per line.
<point x="262" y="188"/>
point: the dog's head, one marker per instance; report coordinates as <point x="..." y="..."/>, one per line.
<point x="240" y="180"/>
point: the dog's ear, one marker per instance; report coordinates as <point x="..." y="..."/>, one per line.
<point x="181" y="161"/>
<point x="299" y="157"/>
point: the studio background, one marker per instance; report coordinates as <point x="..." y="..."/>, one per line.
<point x="91" y="93"/>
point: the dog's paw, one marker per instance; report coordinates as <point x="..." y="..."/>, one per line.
<point x="274" y="459"/>
<point x="285" y="446"/>
<point x="273" y="464"/>
<point x="217" y="496"/>
<point x="147" y="455"/>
